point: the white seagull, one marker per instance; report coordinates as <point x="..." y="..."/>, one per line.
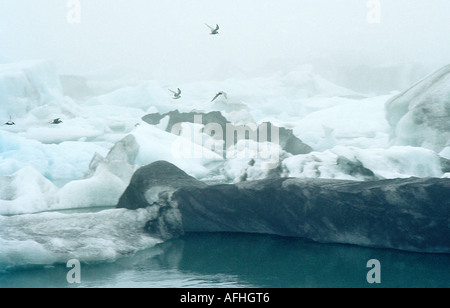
<point x="176" y="95"/>
<point x="215" y="30"/>
<point x="219" y="94"/>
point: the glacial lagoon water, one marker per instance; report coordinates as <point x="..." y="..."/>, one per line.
<point x="228" y="260"/>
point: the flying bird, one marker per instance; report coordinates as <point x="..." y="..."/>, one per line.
<point x="56" y="121"/>
<point x="214" y="31"/>
<point x="10" y="122"/>
<point x="176" y="95"/>
<point x="219" y="94"/>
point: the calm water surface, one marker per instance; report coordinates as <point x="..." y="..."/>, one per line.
<point x="245" y="260"/>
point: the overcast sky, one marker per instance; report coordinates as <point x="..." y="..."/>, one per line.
<point x="168" y="38"/>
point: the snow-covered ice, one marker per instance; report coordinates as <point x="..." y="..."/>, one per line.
<point x="48" y="238"/>
<point x="26" y="191"/>
<point x="384" y="163"/>
<point x="420" y="115"/>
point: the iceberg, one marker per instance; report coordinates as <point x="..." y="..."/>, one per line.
<point x="222" y="127"/>
<point x="352" y="163"/>
<point x="156" y="144"/>
<point x="49" y="238"/>
<point x="32" y="88"/>
<point x="26" y="191"/>
<point x="59" y="163"/>
<point x="105" y="180"/>
<point x="420" y="115"/>
<point x="330" y="137"/>
<point x="407" y="214"/>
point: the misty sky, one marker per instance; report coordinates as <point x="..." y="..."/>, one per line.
<point x="168" y="38"/>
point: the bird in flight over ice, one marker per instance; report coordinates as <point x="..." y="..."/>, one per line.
<point x="219" y="94"/>
<point x="56" y="121"/>
<point x="10" y="122"/>
<point x="176" y="95"/>
<point x="215" y="30"/>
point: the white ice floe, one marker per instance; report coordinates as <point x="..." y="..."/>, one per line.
<point x="48" y="238"/>
<point x="420" y="115"/>
<point x="156" y="144"/>
<point x="390" y="163"/>
<point x="249" y="160"/>
<point x="60" y="163"/>
<point x="26" y="191"/>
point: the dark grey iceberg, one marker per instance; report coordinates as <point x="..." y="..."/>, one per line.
<point x="287" y="140"/>
<point x="408" y="214"/>
<point x="149" y="183"/>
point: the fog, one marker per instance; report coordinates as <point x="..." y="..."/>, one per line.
<point x="168" y="40"/>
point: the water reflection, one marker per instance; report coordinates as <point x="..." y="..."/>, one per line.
<point x="269" y="261"/>
<point x="245" y="260"/>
